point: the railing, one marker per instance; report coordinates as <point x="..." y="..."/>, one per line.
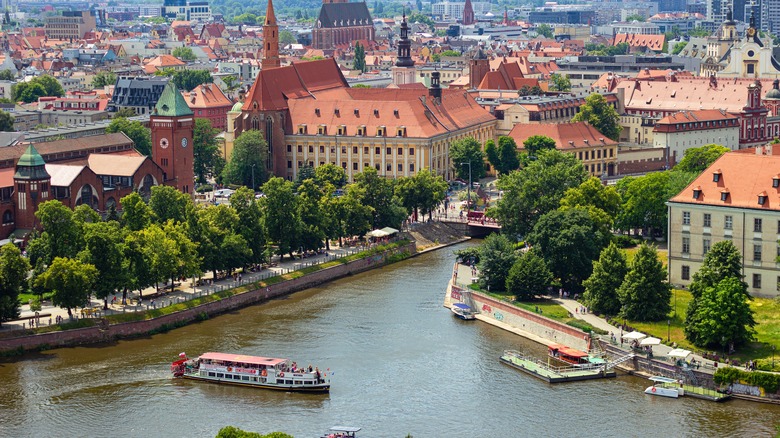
<point x="553" y="369"/>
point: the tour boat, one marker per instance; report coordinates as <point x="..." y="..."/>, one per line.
<point x="568" y="355"/>
<point x="255" y="371"/>
<point x="665" y="387"/>
<point x="463" y="311"/>
<point x="342" y="432"/>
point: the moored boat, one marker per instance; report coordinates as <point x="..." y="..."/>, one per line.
<point x="342" y="432"/>
<point x="255" y="371"/>
<point x="665" y="387"/>
<point x="463" y="311"/>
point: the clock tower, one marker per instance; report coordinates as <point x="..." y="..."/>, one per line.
<point x="172" y="124"/>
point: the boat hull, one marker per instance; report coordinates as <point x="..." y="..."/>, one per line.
<point x="662" y="392"/>
<point x="463" y="316"/>
<point x="316" y="389"/>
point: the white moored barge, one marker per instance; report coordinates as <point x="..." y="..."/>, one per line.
<point x="255" y="371"/>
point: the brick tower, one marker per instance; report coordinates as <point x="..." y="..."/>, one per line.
<point x="172" y="125"/>
<point x="32" y="183"/>
<point x="271" y="39"/>
<point x="479" y="66"/>
<point x="468" y="14"/>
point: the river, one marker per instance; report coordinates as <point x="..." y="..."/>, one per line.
<point x="399" y="364"/>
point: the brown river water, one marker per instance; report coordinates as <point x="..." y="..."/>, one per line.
<point x="400" y="364"/>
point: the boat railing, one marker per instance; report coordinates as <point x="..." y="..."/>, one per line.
<point x="544" y="365"/>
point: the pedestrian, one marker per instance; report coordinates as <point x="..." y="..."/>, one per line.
<point x="152" y="303"/>
<point x="576" y="310"/>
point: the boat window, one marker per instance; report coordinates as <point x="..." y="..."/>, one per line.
<point x="211" y="374"/>
<point x="220" y="375"/>
<point x="245" y="378"/>
<point x="236" y="377"/>
<point x="288" y="382"/>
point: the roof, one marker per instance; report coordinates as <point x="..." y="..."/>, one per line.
<point x="744" y="175"/>
<point x="697" y="120"/>
<point x="334" y="15"/>
<point x="7" y="177"/>
<point x="30" y="158"/>
<point x="653" y="42"/>
<point x="253" y="360"/>
<point x="237" y="107"/>
<point x="171" y="103"/>
<point x="571" y="352"/>
<point x="570" y="135"/>
<point x="115" y="165"/>
<point x="63" y="175"/>
<point x="97" y="142"/>
<point x="206" y="96"/>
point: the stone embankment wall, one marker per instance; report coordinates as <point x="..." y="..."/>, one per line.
<point x="524" y="320"/>
<point x="110" y="332"/>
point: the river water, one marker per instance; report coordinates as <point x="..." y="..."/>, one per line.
<point x="399" y="363"/>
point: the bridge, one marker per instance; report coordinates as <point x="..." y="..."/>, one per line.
<point x="474" y="224"/>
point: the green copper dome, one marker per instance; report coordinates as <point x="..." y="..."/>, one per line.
<point x="31" y="157"/>
<point x="31" y="165"/>
<point x="172" y="103"/>
<point x="237" y="107"/>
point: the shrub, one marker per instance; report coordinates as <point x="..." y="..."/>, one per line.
<point x="204" y="188"/>
<point x="728" y="375"/>
<point x="623" y="241"/>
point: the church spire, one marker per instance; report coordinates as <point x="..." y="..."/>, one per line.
<point x="271" y="39"/>
<point x="404" y="47"/>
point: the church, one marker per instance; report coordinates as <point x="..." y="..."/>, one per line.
<point x="729" y="56"/>
<point x="342" y="22"/>
<point x="309" y="116"/>
<point x="97" y="170"/>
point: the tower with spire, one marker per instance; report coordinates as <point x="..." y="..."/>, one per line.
<point x="468" y="14"/>
<point x="270" y="39"/>
<point x="403" y="72"/>
<point x="32" y="183"/>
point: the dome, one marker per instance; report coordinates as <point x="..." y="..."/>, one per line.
<point x="773" y="94"/>
<point x="237" y="107"/>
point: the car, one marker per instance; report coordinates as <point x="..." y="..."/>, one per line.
<point x="223" y="193"/>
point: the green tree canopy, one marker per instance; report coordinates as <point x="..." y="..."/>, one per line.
<point x="536" y="143"/>
<point x="208" y="161"/>
<point x="248" y="157"/>
<point x="330" y="173"/>
<point x="698" y="159"/>
<point x="535" y="190"/>
<point x="491" y="153"/>
<point x="507" y="155"/>
<point x="468" y="150"/>
<point x="678" y="47"/>
<point x="723" y="316"/>
<point x="379" y="194"/>
<point x="250" y="222"/>
<point x="136" y="214"/>
<point x="125" y="112"/>
<point x="189" y="79"/>
<point x="496" y="257"/>
<point x="8" y="75"/>
<point x="38" y="86"/>
<point x="286" y="37"/>
<point x="360" y="58"/>
<point x="136" y="131"/>
<point x="103" y="78"/>
<point x="282" y="220"/>
<point x="528" y="277"/>
<point x="560" y="82"/>
<point x="602" y="201"/>
<point x="184" y="53"/>
<point x="601" y="287"/>
<point x="104" y="250"/>
<point x="421" y="193"/>
<point x="601" y="115"/>
<point x="545" y="30"/>
<point x="645" y="294"/>
<point x="169" y="204"/>
<point x="6" y="122"/>
<point x="71" y="282"/>
<point x="13" y="280"/>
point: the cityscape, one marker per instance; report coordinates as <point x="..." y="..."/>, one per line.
<point x="352" y="218"/>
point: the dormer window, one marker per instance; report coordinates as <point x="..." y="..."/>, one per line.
<point x="381" y="131"/>
<point x="401" y="131"/>
<point x="716" y="176"/>
<point x="776" y="181"/>
<point x="361" y="130"/>
<point x="357" y="112"/>
<point x="337" y="112"/>
<point x="395" y="112"/>
<point x="724" y="195"/>
<point x="301" y="129"/>
<point x="317" y="111"/>
<point x="376" y="112"/>
<point x="762" y="198"/>
<point x="322" y="129"/>
<point x="696" y="192"/>
<point x="342" y="130"/>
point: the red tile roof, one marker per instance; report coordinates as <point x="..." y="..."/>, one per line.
<point x="566" y="135"/>
<point x="696" y="120"/>
<point x="206" y="96"/>
<point x="651" y="42"/>
<point x="743" y="175"/>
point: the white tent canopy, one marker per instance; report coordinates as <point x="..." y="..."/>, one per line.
<point x="679" y="352"/>
<point x="389" y="230"/>
<point x="650" y="341"/>
<point x="634" y="335"/>
<point x="377" y="233"/>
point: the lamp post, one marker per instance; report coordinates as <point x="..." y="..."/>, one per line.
<point x="468" y="193"/>
<point x="773" y="358"/>
<point x="253" y="176"/>
<point x="668" y="329"/>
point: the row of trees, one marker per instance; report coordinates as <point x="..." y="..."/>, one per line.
<point x="78" y="253"/>
<point x="39" y="86"/>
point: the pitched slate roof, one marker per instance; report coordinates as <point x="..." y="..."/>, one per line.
<point x="335" y="15"/>
<point x="171" y="103"/>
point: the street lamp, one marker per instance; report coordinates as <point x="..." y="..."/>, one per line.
<point x="253" y="176"/>
<point x="468" y="193"/>
<point x="668" y="329"/>
<point x="773" y="358"/>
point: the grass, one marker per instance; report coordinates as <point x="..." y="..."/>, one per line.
<point x="27" y="297"/>
<point x="663" y="254"/>
<point x="545" y="307"/>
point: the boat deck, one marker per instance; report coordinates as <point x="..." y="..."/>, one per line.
<point x="551" y="374"/>
<point x="705" y="394"/>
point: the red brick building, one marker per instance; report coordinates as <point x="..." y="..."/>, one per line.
<point x="207" y="101"/>
<point x="342" y="22"/>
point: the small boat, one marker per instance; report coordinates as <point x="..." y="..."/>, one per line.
<point x="463" y="311"/>
<point x="665" y="387"/>
<point x="255" y="371"/>
<point x="342" y="432"/>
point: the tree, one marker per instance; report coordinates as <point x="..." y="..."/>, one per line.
<point x="353" y="218"/>
<point x="169" y="204"/>
<point x="536" y="143"/>
<point x="491" y="153"/>
<point x="304" y="173"/>
<point x="286" y="37"/>
<point x="723" y="316"/>
<point x="528" y="277"/>
<point x="379" y="194"/>
<point x="678" y="47"/>
<point x="234" y="432"/>
<point x="184" y="53"/>
<point x="421" y="193"/>
<point x="6" y="122"/>
<point x="248" y="158"/>
<point x="496" y="257"/>
<point x="312" y="223"/>
<point x="602" y="201"/>
<point x="569" y="240"/>
<point x="125" y="112"/>
<point x="62" y="232"/>
<point x="189" y="79"/>
<point x="28" y="92"/>
<point x="601" y="115"/>
<point x="250" y="222"/>
<point x="698" y="159"/>
<point x="545" y="30"/>
<point x="219" y="245"/>
<point x="136" y="215"/>
<point x="645" y="295"/>
<point x="601" y="287"/>
<point x="722" y="261"/>
<point x="451" y="53"/>
<point x="644" y="201"/>
<point x="245" y="18"/>
<point x="7" y="75"/>
<point x="71" y="282"/>
<point x="13" y="279"/>
<point x="104" y="250"/>
<point x="535" y="190"/>
<point x="560" y="82"/>
<point x="136" y="131"/>
<point x="635" y="17"/>
<point x="360" y="58"/>
<point x="208" y="160"/>
<point x="330" y="173"/>
<point x="507" y="155"/>
<point x="699" y="31"/>
<point x="282" y="221"/>
<point x="103" y="78"/>
<point x="466" y="151"/>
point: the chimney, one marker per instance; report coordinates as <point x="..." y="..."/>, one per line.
<point x="435" y="90"/>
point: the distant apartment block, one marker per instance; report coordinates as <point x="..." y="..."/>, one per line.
<point x="70" y="25"/>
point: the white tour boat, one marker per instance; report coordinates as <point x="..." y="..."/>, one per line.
<point x="665" y="387"/>
<point x="463" y="311"/>
<point x="255" y="371"/>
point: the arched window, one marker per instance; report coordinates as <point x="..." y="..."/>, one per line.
<point x="8" y="217"/>
<point x="256" y="123"/>
<point x="269" y="138"/>
<point x="146" y="187"/>
<point x="87" y="197"/>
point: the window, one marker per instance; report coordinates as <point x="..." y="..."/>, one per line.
<point x="344" y="165"/>
<point x="757" y="252"/>
<point x="400" y="167"/>
<point x="389" y="167"/>
<point x="322" y="149"/>
<point x="354" y="166"/>
<point x="757" y="225"/>
<point x="707" y="220"/>
<point x="289" y="164"/>
<point x="686" y="218"/>
<point x="686" y="272"/>
<point x="411" y="167"/>
<point x="311" y="149"/>
<point x="400" y="151"/>
<point x="411" y="151"/>
<point x="376" y="150"/>
<point x="365" y="150"/>
<point x="389" y="151"/>
<point x="686" y="245"/>
<point x="706" y="244"/>
<point x="289" y="148"/>
<point x="300" y="149"/>
<point x="728" y="222"/>
<point x="354" y="149"/>
<point x="778" y="227"/>
<point x="756" y="281"/>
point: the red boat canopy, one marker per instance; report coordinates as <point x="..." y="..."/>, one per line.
<point x="566" y="351"/>
<point x="240" y="358"/>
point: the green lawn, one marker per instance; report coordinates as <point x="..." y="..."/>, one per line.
<point x="662" y="254"/>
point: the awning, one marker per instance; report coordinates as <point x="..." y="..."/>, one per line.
<point x="679" y="352"/>
<point x="650" y="341"/>
<point x="389" y="230"/>
<point x="634" y="335"/>
<point x="377" y="233"/>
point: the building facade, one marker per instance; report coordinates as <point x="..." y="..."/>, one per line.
<point x="691" y="129"/>
<point x="208" y="102"/>
<point x="342" y="22"/>
<point x="71" y="25"/>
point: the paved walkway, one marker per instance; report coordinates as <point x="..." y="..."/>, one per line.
<point x="152" y="298"/>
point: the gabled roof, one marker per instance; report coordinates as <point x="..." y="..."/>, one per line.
<point x="206" y="96"/>
<point x="63" y="175"/>
<point x="115" y="165"/>
<point x="171" y="103"/>
<point x="570" y="135"/>
<point x="334" y="15"/>
<point x="651" y="42"/>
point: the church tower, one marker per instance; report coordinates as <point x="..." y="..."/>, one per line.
<point x="172" y="125"/>
<point x="32" y="183"/>
<point x="479" y="66"/>
<point x="403" y="72"/>
<point x="271" y="39"/>
<point x="468" y="14"/>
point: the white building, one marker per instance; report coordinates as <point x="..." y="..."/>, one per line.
<point x="454" y="10"/>
<point x="691" y="129"/>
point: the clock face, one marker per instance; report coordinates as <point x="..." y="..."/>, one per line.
<point x="163" y="143"/>
<point x="184" y="142"/>
<point x="751" y="31"/>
